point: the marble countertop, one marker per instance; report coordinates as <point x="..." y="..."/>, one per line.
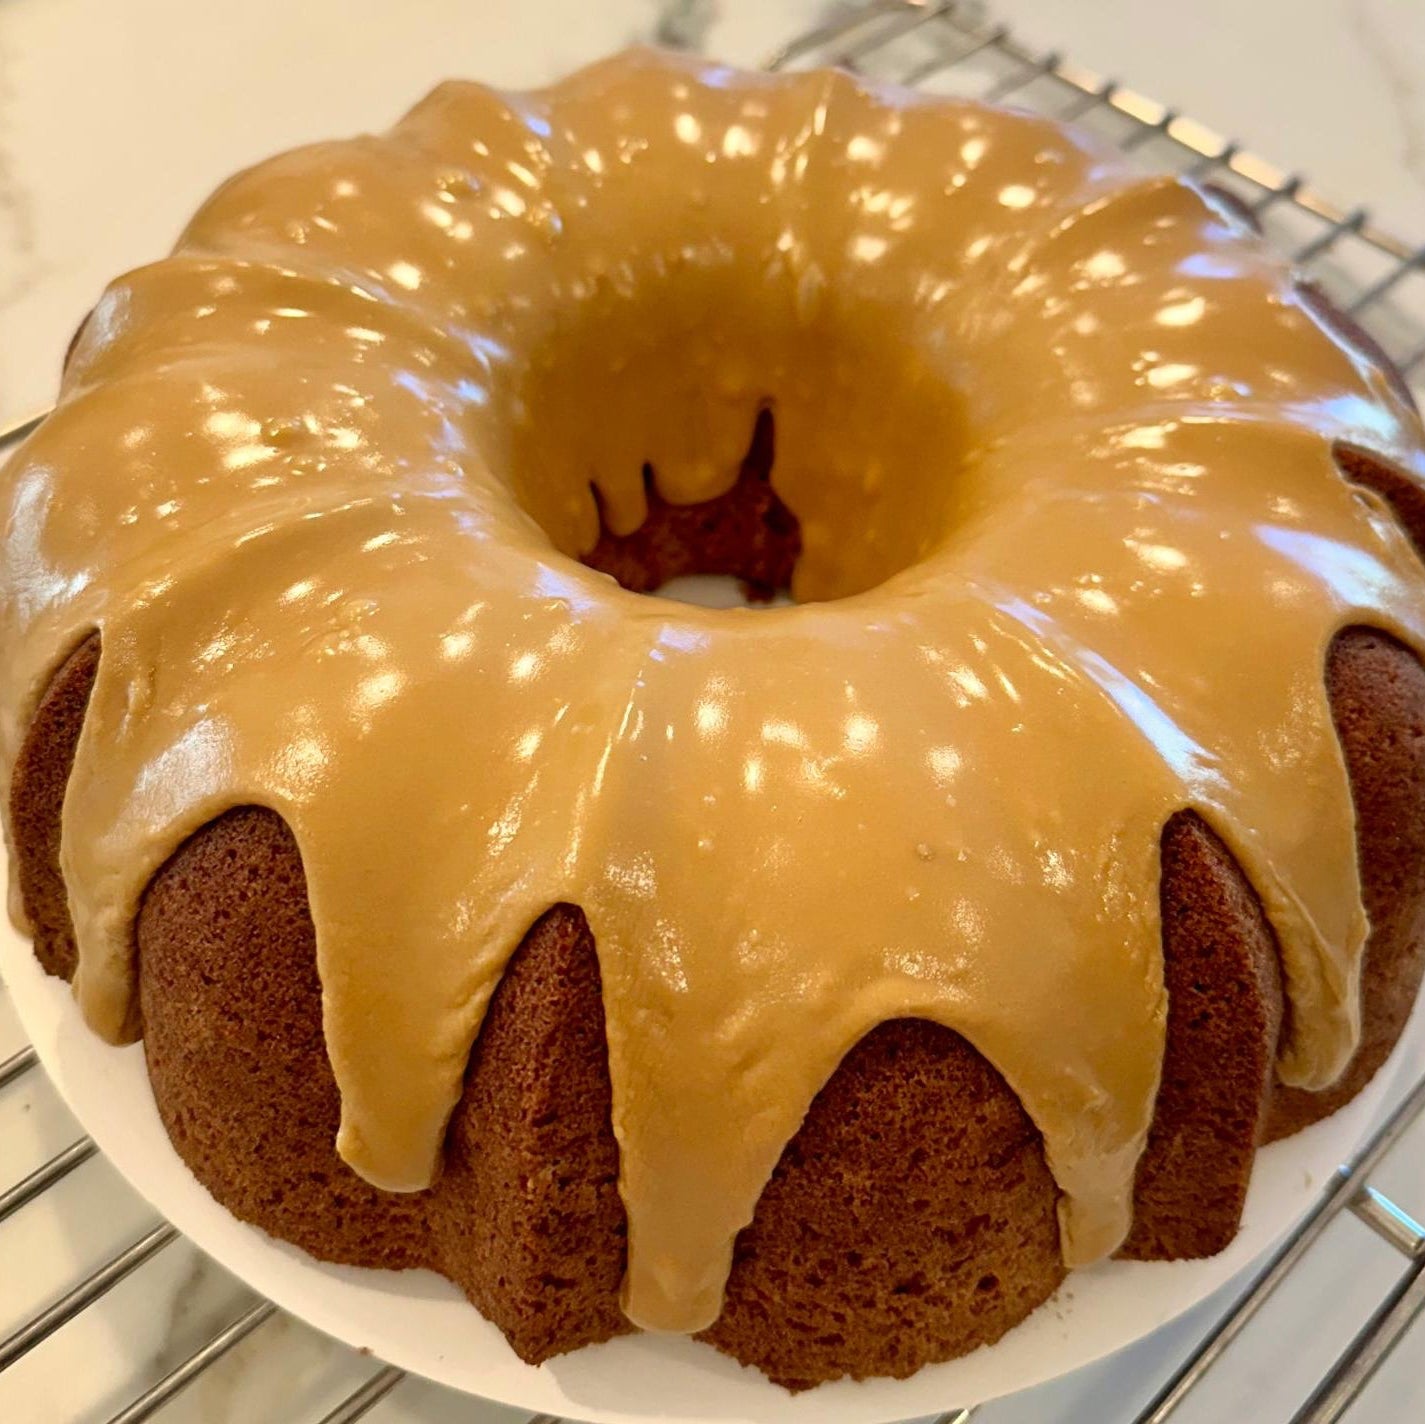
<point x="115" y="121"/>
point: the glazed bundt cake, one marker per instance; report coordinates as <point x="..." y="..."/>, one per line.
<point x="824" y="979"/>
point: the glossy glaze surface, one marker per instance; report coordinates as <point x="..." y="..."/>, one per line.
<point x="1074" y="548"/>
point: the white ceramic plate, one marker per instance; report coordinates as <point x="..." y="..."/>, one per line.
<point x="420" y="1322"/>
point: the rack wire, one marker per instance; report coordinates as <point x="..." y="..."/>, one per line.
<point x="1378" y="279"/>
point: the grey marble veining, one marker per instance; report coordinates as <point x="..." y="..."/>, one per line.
<point x="1398" y="53"/>
<point x="684" y="24"/>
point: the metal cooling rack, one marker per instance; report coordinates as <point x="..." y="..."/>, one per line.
<point x="946" y="46"/>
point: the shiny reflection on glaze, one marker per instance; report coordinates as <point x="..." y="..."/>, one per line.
<point x="1057" y="438"/>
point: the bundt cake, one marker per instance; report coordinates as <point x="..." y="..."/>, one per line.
<point x="824" y="979"/>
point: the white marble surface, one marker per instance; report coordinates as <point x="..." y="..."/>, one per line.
<point x="116" y="120"/>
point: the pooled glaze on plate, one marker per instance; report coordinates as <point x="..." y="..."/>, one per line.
<point x="1074" y="547"/>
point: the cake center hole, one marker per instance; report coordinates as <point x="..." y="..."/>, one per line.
<point x="737" y="548"/>
<point x="686" y="427"/>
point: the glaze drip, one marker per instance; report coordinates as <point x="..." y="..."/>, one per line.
<point x="1058" y="439"/>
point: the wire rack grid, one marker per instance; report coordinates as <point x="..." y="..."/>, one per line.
<point x="947" y="46"/>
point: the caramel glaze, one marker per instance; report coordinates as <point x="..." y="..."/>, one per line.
<point x="1058" y="439"/>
